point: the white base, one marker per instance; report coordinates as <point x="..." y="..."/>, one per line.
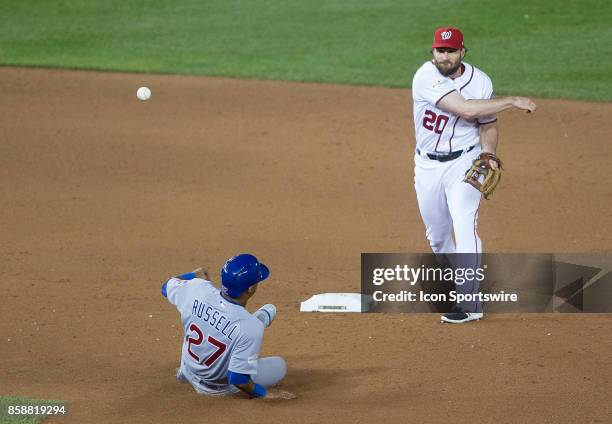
<point x="336" y="302"/>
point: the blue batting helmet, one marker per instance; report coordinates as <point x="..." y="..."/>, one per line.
<point x="241" y="272"/>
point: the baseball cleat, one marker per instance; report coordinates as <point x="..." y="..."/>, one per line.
<point x="461" y="317"/>
<point x="266" y="314"/>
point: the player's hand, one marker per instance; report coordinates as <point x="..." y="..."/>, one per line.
<point x="524" y="103"/>
<point x="201" y="273"/>
<point x="278" y="394"/>
<point x="492" y="163"/>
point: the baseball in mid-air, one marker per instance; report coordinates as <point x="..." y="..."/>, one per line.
<point x="143" y="93"/>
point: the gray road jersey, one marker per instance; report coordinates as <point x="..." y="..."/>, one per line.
<point x="218" y="335"/>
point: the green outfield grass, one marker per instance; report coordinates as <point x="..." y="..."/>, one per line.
<point x="549" y="48"/>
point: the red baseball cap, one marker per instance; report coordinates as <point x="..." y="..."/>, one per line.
<point x="448" y="37"/>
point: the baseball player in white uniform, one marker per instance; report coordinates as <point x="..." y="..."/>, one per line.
<point x="220" y="349"/>
<point x="455" y="122"/>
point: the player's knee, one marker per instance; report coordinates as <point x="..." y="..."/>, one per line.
<point x="436" y="245"/>
<point x="440" y="240"/>
<point x="270" y="371"/>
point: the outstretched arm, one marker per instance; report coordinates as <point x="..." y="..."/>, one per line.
<point x="244" y="383"/>
<point x="196" y="273"/>
<point x="252" y="389"/>
<point x="456" y="104"/>
<point x="256" y="391"/>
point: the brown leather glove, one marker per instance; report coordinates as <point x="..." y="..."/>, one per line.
<point x="482" y="176"/>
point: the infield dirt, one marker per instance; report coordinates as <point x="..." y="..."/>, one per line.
<point x="104" y="197"/>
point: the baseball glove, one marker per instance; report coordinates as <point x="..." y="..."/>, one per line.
<point x="482" y="176"/>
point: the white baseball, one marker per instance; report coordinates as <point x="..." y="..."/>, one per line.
<point x="143" y="93"/>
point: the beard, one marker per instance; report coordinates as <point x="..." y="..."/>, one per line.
<point x="447" y="71"/>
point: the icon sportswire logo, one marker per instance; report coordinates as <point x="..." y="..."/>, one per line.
<point x="446" y="35"/>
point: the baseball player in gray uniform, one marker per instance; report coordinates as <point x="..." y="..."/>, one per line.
<point x="220" y="348"/>
<point x="455" y="126"/>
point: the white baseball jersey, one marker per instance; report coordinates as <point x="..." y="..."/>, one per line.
<point x="440" y="131"/>
<point x="219" y="335"/>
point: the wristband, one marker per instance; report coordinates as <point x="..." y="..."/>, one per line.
<point x="237" y="378"/>
<point x="259" y="391"/>
<point x="187" y="276"/>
